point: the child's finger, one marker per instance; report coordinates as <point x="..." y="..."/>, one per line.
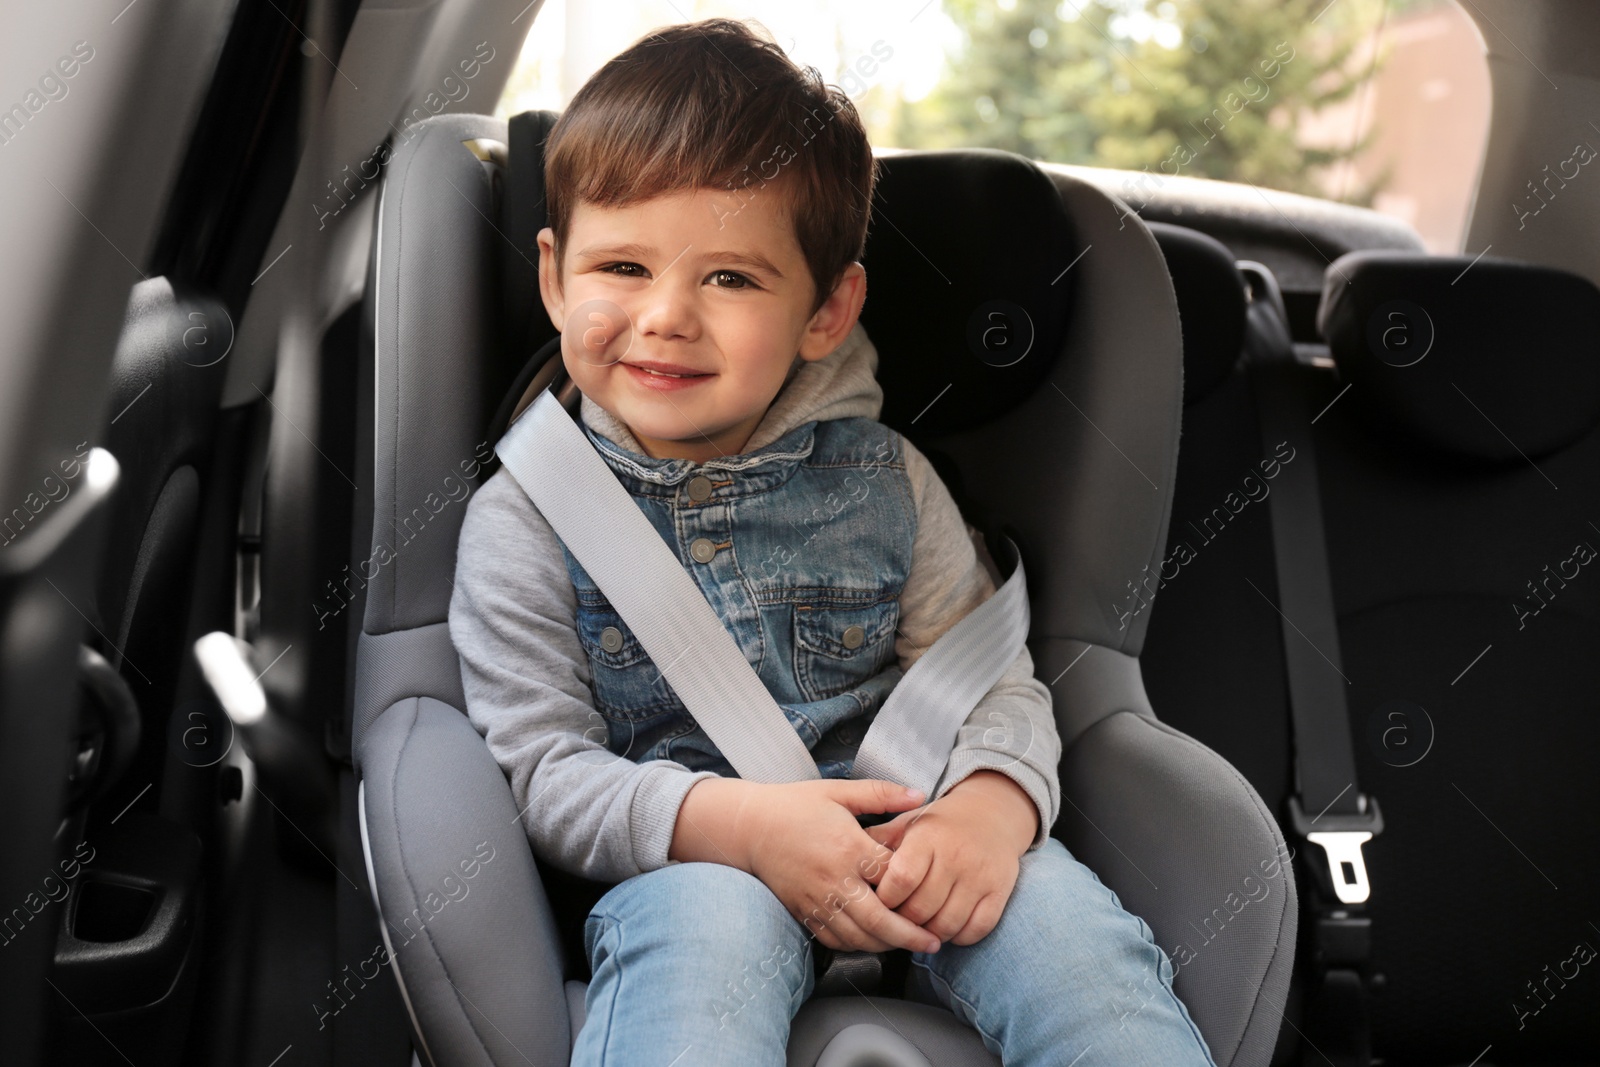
<point x="850" y="935"/>
<point x="871" y="867"/>
<point x="985" y="917"/>
<point x="872" y="796"/>
<point x="952" y="916"/>
<point x="932" y="890"/>
<point x="890" y="833"/>
<point x="881" y="924"/>
<point x="906" y="871"/>
<point x="824" y="935"/>
<point x="828" y="923"/>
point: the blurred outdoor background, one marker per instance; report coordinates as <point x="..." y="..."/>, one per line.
<point x="1382" y="103"/>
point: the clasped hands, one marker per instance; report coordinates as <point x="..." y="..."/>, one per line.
<point x="942" y="871"/>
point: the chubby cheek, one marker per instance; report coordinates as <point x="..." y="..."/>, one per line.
<point x="776" y="370"/>
<point x="585" y="376"/>
<point x="765" y="348"/>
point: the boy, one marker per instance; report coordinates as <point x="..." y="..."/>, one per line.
<point x="715" y="199"/>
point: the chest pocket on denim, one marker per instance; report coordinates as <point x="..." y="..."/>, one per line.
<point x="625" y="680"/>
<point x="840" y="643"/>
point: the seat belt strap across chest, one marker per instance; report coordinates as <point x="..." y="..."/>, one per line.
<point x="603" y="527"/>
<point x="910" y="740"/>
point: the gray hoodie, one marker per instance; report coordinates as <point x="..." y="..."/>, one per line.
<point x="527" y="678"/>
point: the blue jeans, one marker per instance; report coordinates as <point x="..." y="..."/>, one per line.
<point x="700" y="964"/>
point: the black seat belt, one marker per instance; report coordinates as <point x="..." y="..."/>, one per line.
<point x="1327" y="807"/>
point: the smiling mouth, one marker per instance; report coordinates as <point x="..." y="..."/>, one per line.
<point x="660" y="380"/>
<point x="660" y="370"/>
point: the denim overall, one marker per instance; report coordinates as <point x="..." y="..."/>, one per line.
<point x="802" y="548"/>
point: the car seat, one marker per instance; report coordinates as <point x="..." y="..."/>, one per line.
<point x="1434" y="523"/>
<point x="1062" y="428"/>
<point x="1459" y="473"/>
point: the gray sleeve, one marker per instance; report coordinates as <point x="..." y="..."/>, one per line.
<point x="1012" y="729"/>
<point x="513" y="619"/>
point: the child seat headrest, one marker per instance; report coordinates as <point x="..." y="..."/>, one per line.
<point x="967" y="285"/>
<point x="1489" y="359"/>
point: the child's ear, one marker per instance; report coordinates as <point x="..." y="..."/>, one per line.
<point x="837" y="316"/>
<point x="549" y="277"/>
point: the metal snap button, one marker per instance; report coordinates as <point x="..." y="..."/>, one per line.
<point x="699" y="488"/>
<point x="853" y="636"/>
<point x="611" y="639"/>
<point x="702" y="549"/>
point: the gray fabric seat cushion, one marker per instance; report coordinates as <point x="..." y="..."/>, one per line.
<point x="939" y="1036"/>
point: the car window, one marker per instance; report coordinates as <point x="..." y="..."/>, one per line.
<point x="1378" y="103"/>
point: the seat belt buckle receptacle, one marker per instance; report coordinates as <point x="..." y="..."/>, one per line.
<point x="1341" y="837"/>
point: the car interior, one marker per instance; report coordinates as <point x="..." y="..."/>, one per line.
<point x="1306" y="508"/>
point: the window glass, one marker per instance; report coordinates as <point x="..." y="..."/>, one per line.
<point x="1381" y="104"/>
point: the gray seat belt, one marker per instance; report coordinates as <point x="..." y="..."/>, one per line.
<point x="911" y="738"/>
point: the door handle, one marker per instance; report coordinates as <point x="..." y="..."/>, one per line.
<point x="107" y="730"/>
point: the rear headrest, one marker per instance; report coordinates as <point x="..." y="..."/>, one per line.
<point x="1492" y="358"/>
<point x="967" y="285"/>
<point x="1211" y="305"/>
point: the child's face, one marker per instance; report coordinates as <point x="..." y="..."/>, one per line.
<point x="701" y="283"/>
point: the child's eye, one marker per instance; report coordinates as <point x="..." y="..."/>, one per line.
<point x="623" y="269"/>
<point x="739" y="281"/>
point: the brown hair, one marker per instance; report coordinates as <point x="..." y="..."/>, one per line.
<point x="713" y="104"/>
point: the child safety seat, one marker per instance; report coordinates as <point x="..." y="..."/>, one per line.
<point x="1029" y="344"/>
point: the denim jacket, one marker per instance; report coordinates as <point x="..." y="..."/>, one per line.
<point x="836" y="556"/>
<point x="802" y="548"/>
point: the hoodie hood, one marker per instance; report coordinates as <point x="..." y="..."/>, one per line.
<point x="840" y="385"/>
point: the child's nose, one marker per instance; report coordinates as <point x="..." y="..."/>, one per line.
<point x="666" y="309"/>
